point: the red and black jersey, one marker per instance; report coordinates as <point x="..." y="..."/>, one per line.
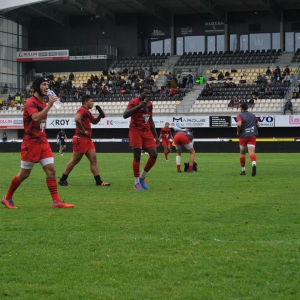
<point x="86" y="120"/>
<point x="165" y="133"/>
<point x="34" y="132"/>
<point x="140" y="119"/>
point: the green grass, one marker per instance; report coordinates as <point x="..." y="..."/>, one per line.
<point x="209" y="235"/>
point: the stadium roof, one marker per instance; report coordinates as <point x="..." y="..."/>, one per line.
<point x="21" y="11"/>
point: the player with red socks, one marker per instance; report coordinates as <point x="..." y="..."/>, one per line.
<point x="165" y="136"/>
<point x="142" y="135"/>
<point x="247" y="130"/>
<point x="184" y="137"/>
<point x="35" y="146"/>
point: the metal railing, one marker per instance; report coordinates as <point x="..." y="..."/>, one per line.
<point x="28" y="78"/>
<point x="11" y="87"/>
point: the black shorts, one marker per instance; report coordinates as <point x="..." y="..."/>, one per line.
<point x="61" y="142"/>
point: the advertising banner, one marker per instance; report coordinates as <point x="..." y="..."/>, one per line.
<point x="25" y="56"/>
<point x="264" y="121"/>
<point x="181" y="121"/>
<point x="287" y="121"/>
<point x="11" y="123"/>
<point x="220" y="121"/>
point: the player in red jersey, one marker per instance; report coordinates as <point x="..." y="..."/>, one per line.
<point x="35" y="147"/>
<point x="142" y="135"/>
<point x="165" y="136"/>
<point x="82" y="142"/>
<point x="184" y="137"/>
<point x="247" y="130"/>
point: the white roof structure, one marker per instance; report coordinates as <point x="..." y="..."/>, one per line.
<point x="13" y="4"/>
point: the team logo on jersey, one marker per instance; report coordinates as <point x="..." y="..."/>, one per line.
<point x="146" y="118"/>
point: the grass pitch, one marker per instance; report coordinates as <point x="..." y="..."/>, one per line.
<point x="209" y="235"/>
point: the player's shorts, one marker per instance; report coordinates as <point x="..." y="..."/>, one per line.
<point x="61" y="143"/>
<point x="182" y="140"/>
<point x="35" y="152"/>
<point x="166" y="142"/>
<point x="247" y="142"/>
<point x="82" y="145"/>
<point x="141" y="139"/>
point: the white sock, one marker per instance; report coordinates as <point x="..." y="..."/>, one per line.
<point x="143" y="174"/>
<point x="243" y="169"/>
<point x="178" y="160"/>
<point x="253" y="163"/>
<point x="136" y="179"/>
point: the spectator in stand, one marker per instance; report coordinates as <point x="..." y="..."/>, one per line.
<point x="221" y="76"/>
<point x="210" y="90"/>
<point x="292" y="78"/>
<point x="190" y="81"/>
<point x="104" y="91"/>
<point x="172" y="92"/>
<point x="154" y="89"/>
<point x="164" y="91"/>
<point x="259" y="79"/>
<point x="5" y="89"/>
<point x="264" y="79"/>
<point x="151" y="81"/>
<point x="179" y="93"/>
<point x="179" y="79"/>
<point x="236" y="103"/>
<point x="125" y="71"/>
<point x="113" y="72"/>
<point x="204" y="92"/>
<point x="268" y="91"/>
<point x="255" y="94"/>
<point x="71" y="76"/>
<point x="286" y="79"/>
<point x="147" y="73"/>
<point x="96" y="79"/>
<point x="231" y="103"/>
<point x="273" y="77"/>
<point x="105" y="72"/>
<point x="281" y="91"/>
<point x="242" y="101"/>
<point x="64" y="80"/>
<point x="288" y="106"/>
<point x="278" y="74"/>
<point x="141" y="73"/>
<point x="262" y="91"/>
<point x="287" y="70"/>
<point x="295" y="92"/>
<point x="169" y="78"/>
<point x="251" y="103"/>
<point x="268" y="72"/>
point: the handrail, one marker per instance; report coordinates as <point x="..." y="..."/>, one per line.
<point x="29" y="77"/>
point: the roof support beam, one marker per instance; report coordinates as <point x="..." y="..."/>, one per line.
<point x="50" y="12"/>
<point x="273" y="8"/>
<point x="17" y="17"/>
<point x="93" y="8"/>
<point x="212" y="7"/>
<point x="155" y="10"/>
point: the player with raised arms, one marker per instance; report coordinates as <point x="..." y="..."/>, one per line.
<point x="142" y="135"/>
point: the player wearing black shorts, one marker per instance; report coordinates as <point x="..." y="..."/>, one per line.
<point x="61" y="141"/>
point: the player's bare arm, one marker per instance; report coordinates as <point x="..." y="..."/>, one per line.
<point x="239" y="127"/>
<point x="153" y="130"/>
<point x="78" y="118"/>
<point x="96" y="120"/>
<point x="129" y="112"/>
